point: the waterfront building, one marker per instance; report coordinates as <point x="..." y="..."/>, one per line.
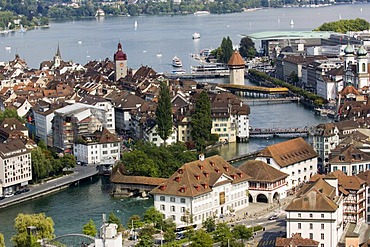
<point x="317" y="213"/>
<point x="43" y="113"/>
<point x="120" y="63"/>
<point x="15" y="166"/>
<point x="325" y="139"/>
<point x="266" y="184"/>
<point x="236" y="66"/>
<point x="208" y="187"/>
<point x="100" y="147"/>
<point x="76" y="119"/>
<point x="294" y="157"/>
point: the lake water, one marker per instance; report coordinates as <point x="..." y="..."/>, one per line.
<point x="97" y="39"/>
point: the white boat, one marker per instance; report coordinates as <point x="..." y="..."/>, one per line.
<point x="178" y="72"/>
<point x="196" y="35"/>
<point x="219" y="69"/>
<point x="292" y="22"/>
<point x="176" y="62"/>
<point x="8" y="48"/>
<point x="135" y="24"/>
<point x="159" y="54"/>
<point x="99" y="13"/>
<point x="203" y="12"/>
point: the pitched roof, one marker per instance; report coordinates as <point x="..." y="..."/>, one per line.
<point x="199" y="177"/>
<point x="296" y="241"/>
<point x="347" y="182"/>
<point x="289" y="152"/>
<point x="107" y="137"/>
<point x="236" y="59"/>
<point x="260" y="171"/>
<point x="365" y="176"/>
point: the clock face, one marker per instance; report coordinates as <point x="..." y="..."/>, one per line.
<point x="121" y="65"/>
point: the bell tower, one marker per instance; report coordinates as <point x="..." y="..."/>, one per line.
<point x="236" y="66"/>
<point x="120" y="63"/>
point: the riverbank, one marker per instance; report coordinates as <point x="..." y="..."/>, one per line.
<point x="51" y="186"/>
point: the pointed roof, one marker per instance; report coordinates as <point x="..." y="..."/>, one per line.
<point x="58" y="52"/>
<point x="119" y="55"/>
<point x="349" y="90"/>
<point x="199" y="177"/>
<point x="289" y="152"/>
<point x="236" y="59"/>
<point x="261" y="171"/>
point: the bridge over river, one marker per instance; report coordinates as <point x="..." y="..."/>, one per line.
<point x="280" y="132"/>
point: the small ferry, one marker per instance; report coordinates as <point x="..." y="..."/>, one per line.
<point x="178" y="72"/>
<point x="196" y="35"/>
<point x="176" y="62"/>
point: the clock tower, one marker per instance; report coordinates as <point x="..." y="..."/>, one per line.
<point x="120" y="63"/>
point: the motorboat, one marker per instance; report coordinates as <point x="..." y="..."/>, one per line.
<point x="176" y="62"/>
<point x="196" y="35"/>
<point x="202" y="12"/>
<point x="99" y="13"/>
<point x="178" y="72"/>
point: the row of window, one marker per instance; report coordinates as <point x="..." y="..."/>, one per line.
<point x="172" y="208"/>
<point x="13" y="179"/>
<point x="311" y="226"/>
<point x="354" y="168"/>
<point x="172" y="199"/>
<point x="304" y="170"/>
<point x="311" y="215"/>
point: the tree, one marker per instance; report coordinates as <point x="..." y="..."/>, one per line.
<point x="209" y="224"/>
<point x="89" y="228"/>
<point x="152" y="215"/>
<point x="164" y="113"/>
<point x="247" y="48"/>
<point x="146" y="241"/>
<point x="140" y="164"/>
<point x="10" y="113"/>
<point x="222" y="234"/>
<point x="2" y="240"/>
<point x="134" y="222"/>
<point x="242" y="232"/>
<point x="201" y="122"/>
<point x="169" y="235"/>
<point x="68" y="161"/>
<point x="44" y="228"/>
<point x="201" y="239"/>
<point x="226" y="50"/>
<point x="147" y="230"/>
<point x="114" y="220"/>
<point x="41" y="166"/>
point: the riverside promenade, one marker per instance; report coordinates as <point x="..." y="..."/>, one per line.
<point x="51" y="186"/>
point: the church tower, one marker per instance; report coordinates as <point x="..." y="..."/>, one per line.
<point x="120" y="63"/>
<point x="349" y="61"/>
<point x="362" y="69"/>
<point x="57" y="58"/>
<point x="236" y="66"/>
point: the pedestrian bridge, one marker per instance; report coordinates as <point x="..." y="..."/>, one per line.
<point x="280" y="132"/>
<point x="71" y="240"/>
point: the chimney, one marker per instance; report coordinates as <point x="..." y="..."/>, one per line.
<point x="201" y="157"/>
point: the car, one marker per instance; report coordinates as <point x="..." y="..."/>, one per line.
<point x="24" y="190"/>
<point x="273" y="217"/>
<point x="8" y="195"/>
<point x="2" y="197"/>
<point x="18" y="192"/>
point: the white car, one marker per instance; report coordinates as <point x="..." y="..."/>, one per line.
<point x="8" y="195"/>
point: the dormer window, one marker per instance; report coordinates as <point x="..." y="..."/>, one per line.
<point x="206" y="174"/>
<point x="205" y="185"/>
<point x="212" y="163"/>
<point x="162" y="187"/>
<point x="181" y="171"/>
<point x="197" y="177"/>
<point x="177" y="179"/>
<point x="240" y="174"/>
<point x="200" y="167"/>
<point x="217" y="170"/>
<point x="226" y="168"/>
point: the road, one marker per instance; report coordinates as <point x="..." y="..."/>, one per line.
<point x="51" y="186"/>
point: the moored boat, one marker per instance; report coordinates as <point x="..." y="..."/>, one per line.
<point x="202" y="12"/>
<point x="176" y="62"/>
<point x="196" y="35"/>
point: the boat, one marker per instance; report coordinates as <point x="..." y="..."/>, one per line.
<point x="8" y="48"/>
<point x="176" y="62"/>
<point x="135" y="24"/>
<point x="159" y="54"/>
<point x="178" y="72"/>
<point x="99" y="13"/>
<point x="196" y="35"/>
<point x="292" y="22"/>
<point x="22" y="29"/>
<point x="215" y="69"/>
<point x="203" y="12"/>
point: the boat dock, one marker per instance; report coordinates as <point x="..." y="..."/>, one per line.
<point x="198" y="75"/>
<point x="280" y="132"/>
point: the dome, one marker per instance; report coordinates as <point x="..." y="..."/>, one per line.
<point x="120" y="55"/>
<point x="349" y="49"/>
<point x="361" y="51"/>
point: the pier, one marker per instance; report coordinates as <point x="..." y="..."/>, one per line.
<point x="279" y="132"/>
<point x="271" y="100"/>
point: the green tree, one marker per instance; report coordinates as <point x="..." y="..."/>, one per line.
<point x="242" y="232"/>
<point x="134" y="222"/>
<point x="138" y="163"/>
<point x="89" y="228"/>
<point x="201" y="122"/>
<point x="167" y="224"/>
<point x="226" y="50"/>
<point x="222" y="234"/>
<point x="114" y="220"/>
<point x="343" y="26"/>
<point x="68" y="161"/>
<point x="147" y="230"/>
<point x="169" y="235"/>
<point x="10" y="113"/>
<point x="247" y="48"/>
<point x="209" y="224"/>
<point x="146" y="241"/>
<point x="152" y="215"/>
<point x="163" y="113"/>
<point x="201" y="239"/>
<point x="2" y="240"/>
<point x="44" y="228"/>
<point x="41" y="166"/>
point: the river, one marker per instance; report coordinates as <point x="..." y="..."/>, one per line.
<point x="73" y="207"/>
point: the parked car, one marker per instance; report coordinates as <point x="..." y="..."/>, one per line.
<point x="2" y="197"/>
<point x="18" y="192"/>
<point x="273" y="217"/>
<point x="24" y="190"/>
<point x="8" y="195"/>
